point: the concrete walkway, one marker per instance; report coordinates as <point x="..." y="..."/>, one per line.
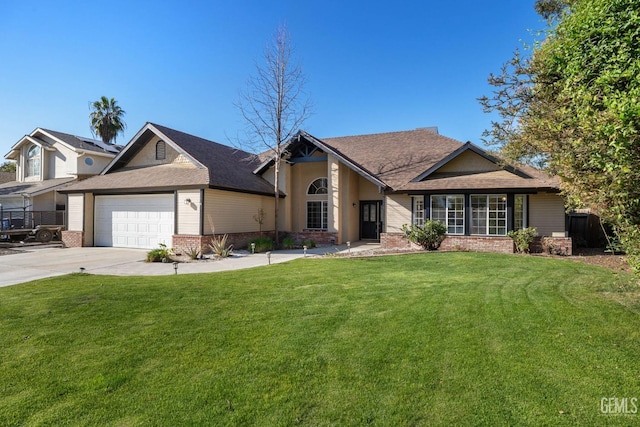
<point x="34" y="263"/>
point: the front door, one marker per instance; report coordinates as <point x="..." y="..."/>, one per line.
<point x="370" y="219"/>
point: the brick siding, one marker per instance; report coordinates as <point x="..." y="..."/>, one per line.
<point x="318" y="236"/>
<point x="563" y="245"/>
<point x="72" y="239"/>
<point x="183" y="242"/>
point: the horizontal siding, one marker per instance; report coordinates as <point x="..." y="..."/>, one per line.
<point x="547" y="213"/>
<point x="75" y="212"/>
<point x="398" y="211"/>
<point x="189" y="213"/>
<point x="230" y="212"/>
<point x="469" y="162"/>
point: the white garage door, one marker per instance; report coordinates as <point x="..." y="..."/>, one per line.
<point x="134" y="221"/>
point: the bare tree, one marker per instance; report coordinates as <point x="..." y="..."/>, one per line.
<point x="274" y="104"/>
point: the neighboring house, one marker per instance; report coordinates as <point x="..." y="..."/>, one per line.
<point x="46" y="161"/>
<point x="169" y="187"/>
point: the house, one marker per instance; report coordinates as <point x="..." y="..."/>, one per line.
<point x="169" y="187"/>
<point x="46" y="161"/>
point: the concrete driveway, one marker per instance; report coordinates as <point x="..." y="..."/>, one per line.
<point x="39" y="263"/>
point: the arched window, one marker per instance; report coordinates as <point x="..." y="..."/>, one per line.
<point x="33" y="161"/>
<point x="319" y="186"/>
<point x="161" y="150"/>
<point x="317" y="213"/>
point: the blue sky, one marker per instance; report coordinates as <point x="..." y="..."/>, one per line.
<point x="371" y="66"/>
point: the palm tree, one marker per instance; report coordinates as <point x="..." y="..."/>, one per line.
<point x="106" y="119"/>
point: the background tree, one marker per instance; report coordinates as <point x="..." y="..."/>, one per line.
<point x="274" y="105"/>
<point x="106" y="119"/>
<point x="8" y="167"/>
<point x="574" y="105"/>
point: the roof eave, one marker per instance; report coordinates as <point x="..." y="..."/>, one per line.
<point x="466" y="147"/>
<point x="360" y="170"/>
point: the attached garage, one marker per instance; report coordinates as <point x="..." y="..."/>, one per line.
<point x="134" y="221"/>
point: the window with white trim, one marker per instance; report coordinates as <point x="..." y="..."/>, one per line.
<point x="489" y="214"/>
<point x="520" y="212"/>
<point x="317" y="211"/>
<point x="33" y="161"/>
<point x="418" y="210"/>
<point x="449" y="210"/>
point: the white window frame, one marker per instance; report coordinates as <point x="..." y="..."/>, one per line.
<point x="417" y="206"/>
<point x="317" y="192"/>
<point x="458" y="215"/>
<point x="33" y="163"/>
<point x="500" y="222"/>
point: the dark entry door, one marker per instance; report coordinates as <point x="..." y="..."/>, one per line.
<point x="370" y="219"/>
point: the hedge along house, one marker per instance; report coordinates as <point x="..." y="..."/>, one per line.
<point x="369" y="186"/>
<point x="169" y="187"/>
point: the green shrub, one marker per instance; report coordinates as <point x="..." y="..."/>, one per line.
<point x="162" y="254"/>
<point x="523" y="238"/>
<point x="430" y="235"/>
<point x="218" y="246"/>
<point x="309" y="243"/>
<point x="288" y="243"/>
<point x="263" y="244"/>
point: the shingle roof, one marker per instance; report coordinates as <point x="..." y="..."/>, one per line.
<point x="228" y="167"/>
<point x="398" y="158"/>
<point x="395" y="157"/>
<point x="15" y="188"/>
<point x="218" y="166"/>
<point x="83" y="143"/>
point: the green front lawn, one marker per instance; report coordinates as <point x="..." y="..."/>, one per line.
<point x="427" y="339"/>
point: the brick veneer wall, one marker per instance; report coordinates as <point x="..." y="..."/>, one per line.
<point x="183" y="242"/>
<point x="318" y="236"/>
<point x="502" y="245"/>
<point x="72" y="239"/>
<point x="563" y="245"/>
<point x="477" y="243"/>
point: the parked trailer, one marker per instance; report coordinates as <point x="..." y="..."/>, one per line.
<point x="42" y="233"/>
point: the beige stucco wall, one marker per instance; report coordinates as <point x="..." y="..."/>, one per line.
<point x="368" y="190"/>
<point x="547" y="213"/>
<point x="231" y="212"/>
<point x="397" y="211"/>
<point x="302" y="175"/>
<point x="350" y="230"/>
<point x="147" y="156"/>
<point x="189" y="212"/>
<point x="334" y="206"/>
